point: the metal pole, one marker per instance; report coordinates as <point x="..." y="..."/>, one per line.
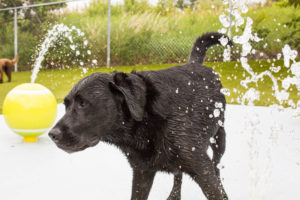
<point x="230" y="19"/>
<point x="108" y="33"/>
<point x="16" y="37"/>
<point x="229" y="28"/>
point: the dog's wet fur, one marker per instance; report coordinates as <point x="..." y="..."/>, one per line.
<point x="161" y="120"/>
<point x="7" y="66"/>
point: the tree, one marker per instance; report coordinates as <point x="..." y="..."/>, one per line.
<point x="294" y="3"/>
<point x="294" y="38"/>
<point x="31" y="23"/>
<point x="36" y="14"/>
<point x="185" y="3"/>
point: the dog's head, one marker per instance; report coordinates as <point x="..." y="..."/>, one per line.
<point x="96" y="107"/>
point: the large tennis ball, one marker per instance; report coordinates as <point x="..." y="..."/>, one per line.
<point x="30" y="110"/>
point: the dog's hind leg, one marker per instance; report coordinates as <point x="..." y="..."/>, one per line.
<point x="203" y="172"/>
<point x="7" y="70"/>
<point x="1" y="75"/>
<point x="176" y="190"/>
<point x="141" y="184"/>
<point x="218" y="147"/>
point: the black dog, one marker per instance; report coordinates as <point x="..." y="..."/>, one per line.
<point x="162" y="120"/>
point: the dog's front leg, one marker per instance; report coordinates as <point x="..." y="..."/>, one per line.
<point x="141" y="184"/>
<point x="176" y="190"/>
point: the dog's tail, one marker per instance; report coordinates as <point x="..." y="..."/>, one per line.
<point x="15" y="60"/>
<point x="204" y="42"/>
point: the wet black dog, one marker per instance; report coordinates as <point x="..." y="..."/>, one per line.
<point x="162" y="120"/>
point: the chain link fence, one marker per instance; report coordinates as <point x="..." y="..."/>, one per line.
<point x="31" y="29"/>
<point x="145" y="37"/>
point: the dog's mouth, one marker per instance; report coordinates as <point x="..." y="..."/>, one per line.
<point x="93" y="141"/>
<point x="72" y="149"/>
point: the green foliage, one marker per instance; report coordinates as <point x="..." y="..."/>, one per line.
<point x="294" y="38"/>
<point x="294" y="3"/>
<point x="164" y="7"/>
<point x="143" y="34"/>
<point x="146" y="34"/>
<point x="181" y="4"/>
<point x="7" y="15"/>
<point x="133" y="6"/>
<point x="30" y="28"/>
<point x="164" y="34"/>
<point x="36" y="16"/>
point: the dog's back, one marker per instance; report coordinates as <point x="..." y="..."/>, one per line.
<point x="9" y="62"/>
<point x="195" y="90"/>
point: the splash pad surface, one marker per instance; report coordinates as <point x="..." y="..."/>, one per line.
<point x="261" y="160"/>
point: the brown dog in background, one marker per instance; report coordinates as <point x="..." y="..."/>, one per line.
<point x="7" y="65"/>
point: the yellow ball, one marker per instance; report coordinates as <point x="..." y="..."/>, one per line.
<point x="30" y="110"/>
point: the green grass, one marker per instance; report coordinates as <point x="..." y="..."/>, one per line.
<point x="231" y="73"/>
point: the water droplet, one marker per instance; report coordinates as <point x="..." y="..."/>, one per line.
<point x="220" y="123"/>
<point x="216" y="113"/>
<point x="212" y="140"/>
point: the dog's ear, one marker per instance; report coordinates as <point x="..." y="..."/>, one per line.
<point x="133" y="90"/>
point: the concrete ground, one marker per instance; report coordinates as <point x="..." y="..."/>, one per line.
<point x="262" y="161"/>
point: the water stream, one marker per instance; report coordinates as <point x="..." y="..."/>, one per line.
<point x="51" y="37"/>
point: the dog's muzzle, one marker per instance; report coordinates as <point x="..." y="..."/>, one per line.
<point x="55" y="134"/>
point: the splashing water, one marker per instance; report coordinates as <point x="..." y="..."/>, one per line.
<point x="288" y="55"/>
<point x="261" y="155"/>
<point x="245" y="39"/>
<point x="51" y="36"/>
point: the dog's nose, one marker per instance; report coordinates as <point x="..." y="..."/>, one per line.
<point x="55" y="135"/>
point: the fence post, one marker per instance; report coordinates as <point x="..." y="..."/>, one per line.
<point x="230" y="27"/>
<point x="108" y="33"/>
<point x="230" y="19"/>
<point x="16" y="37"/>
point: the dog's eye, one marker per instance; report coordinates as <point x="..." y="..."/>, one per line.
<point x="82" y="104"/>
